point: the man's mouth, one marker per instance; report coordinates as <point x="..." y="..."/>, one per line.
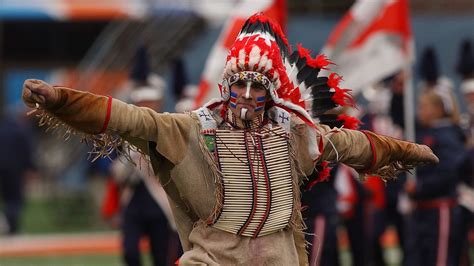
<point x="246" y="105"/>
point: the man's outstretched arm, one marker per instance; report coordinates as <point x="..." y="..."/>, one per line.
<point x="95" y="114"/>
<point x="375" y="154"/>
<point x="83" y="111"/>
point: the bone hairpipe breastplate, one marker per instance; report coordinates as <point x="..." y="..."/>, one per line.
<point x="256" y="180"/>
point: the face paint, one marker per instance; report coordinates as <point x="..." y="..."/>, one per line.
<point x="260" y="103"/>
<point x="243" y="113"/>
<point x="247" y="92"/>
<point x="233" y="100"/>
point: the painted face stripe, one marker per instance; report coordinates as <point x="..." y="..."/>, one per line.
<point x="233" y="100"/>
<point x="260" y="103"/>
<point x="247" y="92"/>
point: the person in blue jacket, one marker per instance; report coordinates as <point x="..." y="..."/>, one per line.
<point x="435" y="223"/>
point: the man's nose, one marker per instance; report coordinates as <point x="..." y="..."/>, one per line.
<point x="247" y="97"/>
<point x="247" y="94"/>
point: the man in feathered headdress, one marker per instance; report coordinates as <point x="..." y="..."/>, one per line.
<point x="232" y="168"/>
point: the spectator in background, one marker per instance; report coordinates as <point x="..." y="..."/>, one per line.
<point x="321" y="218"/>
<point x="146" y="209"/>
<point x="15" y="165"/>
<point x="465" y="68"/>
<point x="381" y="203"/>
<point x="184" y="92"/>
<point x="375" y="118"/>
<point x="321" y="198"/>
<point x="429" y="71"/>
<point x="397" y="110"/>
<point x="397" y="203"/>
<point x="434" y="226"/>
<point x="180" y="78"/>
<point x="431" y="77"/>
<point x="350" y="205"/>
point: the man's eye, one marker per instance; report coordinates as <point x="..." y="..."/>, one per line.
<point x="258" y="86"/>
<point x="240" y="83"/>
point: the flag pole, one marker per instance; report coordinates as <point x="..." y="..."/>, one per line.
<point x="409" y="109"/>
<point x="409" y="104"/>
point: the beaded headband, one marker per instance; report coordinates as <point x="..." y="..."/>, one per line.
<point x="249" y="76"/>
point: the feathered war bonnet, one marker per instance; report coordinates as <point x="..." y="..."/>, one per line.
<point x="290" y="77"/>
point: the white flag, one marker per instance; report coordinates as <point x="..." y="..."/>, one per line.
<point x="371" y="42"/>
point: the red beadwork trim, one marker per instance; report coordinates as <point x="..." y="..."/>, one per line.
<point x="107" y="115"/>
<point x="320" y="147"/>
<point x="372" y="147"/>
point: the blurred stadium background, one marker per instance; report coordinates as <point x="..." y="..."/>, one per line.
<point x="89" y="45"/>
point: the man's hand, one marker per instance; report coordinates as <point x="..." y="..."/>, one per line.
<point x="36" y="91"/>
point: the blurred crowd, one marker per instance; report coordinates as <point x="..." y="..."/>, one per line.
<point x="431" y="211"/>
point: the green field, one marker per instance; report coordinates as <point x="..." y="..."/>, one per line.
<point x="72" y="260"/>
<point x="78" y="214"/>
<point x="68" y="260"/>
<point x="97" y="260"/>
<point x="65" y="214"/>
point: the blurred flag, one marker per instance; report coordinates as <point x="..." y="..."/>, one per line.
<point x="372" y="41"/>
<point x="212" y="73"/>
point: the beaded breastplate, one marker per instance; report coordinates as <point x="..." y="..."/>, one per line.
<point x="256" y="179"/>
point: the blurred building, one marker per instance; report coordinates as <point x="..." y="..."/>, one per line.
<point x="88" y="45"/>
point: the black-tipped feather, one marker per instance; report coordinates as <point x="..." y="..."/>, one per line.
<point x="294" y="57"/>
<point x="331" y="120"/>
<point x="253" y="27"/>
<point x="322" y="95"/>
<point x="313" y="78"/>
<point x="305" y="73"/>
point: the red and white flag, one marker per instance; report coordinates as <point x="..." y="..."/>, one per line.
<point x="212" y="74"/>
<point x="371" y="42"/>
